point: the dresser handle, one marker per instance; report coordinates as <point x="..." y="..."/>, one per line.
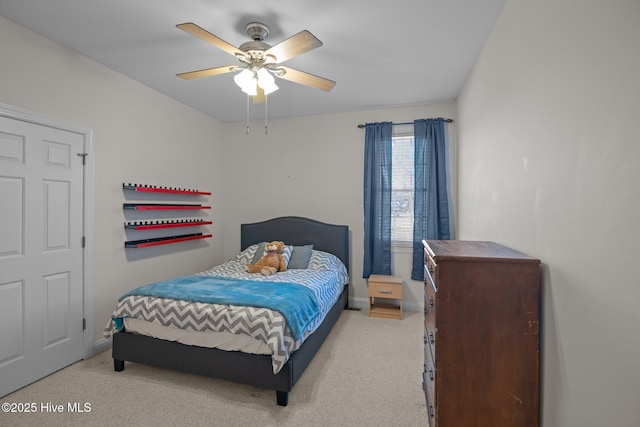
<point x="432" y="339"/>
<point x="385" y="291"/>
<point x="431" y="374"/>
<point x="431" y="411"/>
<point x="431" y="302"/>
<point x="428" y="279"/>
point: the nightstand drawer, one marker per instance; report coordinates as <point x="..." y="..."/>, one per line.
<point x="385" y="290"/>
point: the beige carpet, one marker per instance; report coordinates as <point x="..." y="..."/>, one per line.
<point x="367" y="373"/>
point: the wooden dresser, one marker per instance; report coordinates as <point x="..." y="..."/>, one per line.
<point x="481" y="339"/>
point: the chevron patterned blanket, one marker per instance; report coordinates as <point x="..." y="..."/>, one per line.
<point x="295" y="302"/>
<point x="325" y="278"/>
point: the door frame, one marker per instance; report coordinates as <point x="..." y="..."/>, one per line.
<point x="88" y="211"/>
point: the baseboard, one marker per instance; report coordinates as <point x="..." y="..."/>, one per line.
<point x="412" y="306"/>
<point x="100" y="346"/>
<point x="359" y="303"/>
<point x="363" y="304"/>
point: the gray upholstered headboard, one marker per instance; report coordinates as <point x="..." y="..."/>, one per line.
<point x="299" y="231"/>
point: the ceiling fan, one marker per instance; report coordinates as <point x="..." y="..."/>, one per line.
<point x="258" y="62"/>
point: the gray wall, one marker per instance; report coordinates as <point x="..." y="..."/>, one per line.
<point x="549" y="136"/>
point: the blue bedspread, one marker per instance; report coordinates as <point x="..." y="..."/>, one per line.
<point x="295" y="302"/>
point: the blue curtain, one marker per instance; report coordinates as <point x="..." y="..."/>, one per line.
<point x="431" y="204"/>
<point x="377" y="199"/>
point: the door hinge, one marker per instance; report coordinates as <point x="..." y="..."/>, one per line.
<point x="83" y="155"/>
<point x="83" y="242"/>
<point x="84" y="324"/>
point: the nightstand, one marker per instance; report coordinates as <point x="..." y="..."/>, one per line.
<point x="383" y="287"/>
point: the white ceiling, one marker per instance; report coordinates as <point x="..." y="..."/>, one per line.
<point x="382" y="54"/>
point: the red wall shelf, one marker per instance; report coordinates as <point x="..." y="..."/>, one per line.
<point x="144" y="243"/>
<point x="152" y="225"/>
<point x="161" y="206"/>
<point x="160" y="189"/>
<point x="166" y="204"/>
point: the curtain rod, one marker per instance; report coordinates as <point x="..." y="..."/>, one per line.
<point x="407" y="123"/>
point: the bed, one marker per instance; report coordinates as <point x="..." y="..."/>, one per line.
<point x="260" y="367"/>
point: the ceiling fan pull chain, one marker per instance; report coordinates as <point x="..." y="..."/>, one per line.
<point x="266" y="102"/>
<point x="248" y="114"/>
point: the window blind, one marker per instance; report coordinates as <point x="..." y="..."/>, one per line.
<point x="402" y="195"/>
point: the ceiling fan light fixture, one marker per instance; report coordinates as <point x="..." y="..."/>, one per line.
<point x="247" y="82"/>
<point x="266" y="81"/>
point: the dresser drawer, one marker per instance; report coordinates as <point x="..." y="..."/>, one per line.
<point x="385" y="290"/>
<point x="430" y="332"/>
<point x="431" y="405"/>
<point x="430" y="303"/>
<point x="431" y="422"/>
<point x="430" y="374"/>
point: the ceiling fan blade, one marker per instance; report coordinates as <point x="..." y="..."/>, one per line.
<point x="295" y="45"/>
<point x="207" y="72"/>
<point x="203" y="34"/>
<point x="306" y="79"/>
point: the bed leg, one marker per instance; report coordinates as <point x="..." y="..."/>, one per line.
<point x="118" y="365"/>
<point x="282" y="397"/>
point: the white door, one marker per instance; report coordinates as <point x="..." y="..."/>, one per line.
<point x="41" y="259"/>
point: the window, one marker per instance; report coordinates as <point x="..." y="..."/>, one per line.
<point x="402" y="191"/>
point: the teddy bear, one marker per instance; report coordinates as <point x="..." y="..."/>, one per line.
<point x="272" y="262"/>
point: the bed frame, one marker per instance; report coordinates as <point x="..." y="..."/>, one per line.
<point x="252" y="369"/>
